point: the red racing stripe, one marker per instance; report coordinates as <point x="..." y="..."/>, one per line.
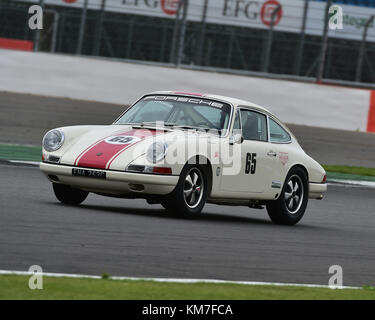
<point x="95" y="143"/>
<point x="371" y="113"/>
<point x="102" y="154"/>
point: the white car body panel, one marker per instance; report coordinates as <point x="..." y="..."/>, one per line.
<point x="265" y="184"/>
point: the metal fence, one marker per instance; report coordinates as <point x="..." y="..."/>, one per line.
<point x="197" y="42"/>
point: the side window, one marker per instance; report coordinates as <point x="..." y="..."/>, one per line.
<point x="277" y="133"/>
<point x="254" y="125"/>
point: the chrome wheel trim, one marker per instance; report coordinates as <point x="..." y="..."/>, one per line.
<point x="193" y="188"/>
<point x="293" y="194"/>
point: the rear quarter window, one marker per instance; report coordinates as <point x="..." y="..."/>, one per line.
<point x="277" y="133"/>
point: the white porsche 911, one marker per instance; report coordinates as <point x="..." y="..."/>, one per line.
<point x="182" y="150"/>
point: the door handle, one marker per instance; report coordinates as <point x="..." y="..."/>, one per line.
<point x="271" y="153"/>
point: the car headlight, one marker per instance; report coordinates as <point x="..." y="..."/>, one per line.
<point x="157" y="151"/>
<point x="53" y="140"/>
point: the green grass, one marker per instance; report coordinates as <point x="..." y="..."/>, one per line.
<point x="16" y="287"/>
<point x="361" y="171"/>
<point x="20" y="152"/>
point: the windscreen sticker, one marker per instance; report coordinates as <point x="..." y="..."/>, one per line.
<point x="185" y="99"/>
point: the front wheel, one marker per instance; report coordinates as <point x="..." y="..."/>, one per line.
<point x="290" y="207"/>
<point x="189" y="197"/>
<point x="69" y="195"/>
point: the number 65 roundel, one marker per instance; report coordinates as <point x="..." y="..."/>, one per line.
<point x="251" y="163"/>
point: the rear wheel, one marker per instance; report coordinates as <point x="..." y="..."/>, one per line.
<point x="290" y="207"/>
<point x="189" y="197"/>
<point x="69" y="195"/>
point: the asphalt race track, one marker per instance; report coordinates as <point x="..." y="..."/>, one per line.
<point x="131" y="238"/>
<point x="24" y="119"/>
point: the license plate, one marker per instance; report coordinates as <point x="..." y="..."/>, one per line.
<point x="88" y="173"/>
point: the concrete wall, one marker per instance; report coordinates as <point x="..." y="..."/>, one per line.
<point x="121" y="83"/>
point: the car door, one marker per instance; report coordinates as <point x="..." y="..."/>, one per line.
<point x="256" y="169"/>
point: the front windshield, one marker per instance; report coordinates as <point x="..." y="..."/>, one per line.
<point x="179" y="111"/>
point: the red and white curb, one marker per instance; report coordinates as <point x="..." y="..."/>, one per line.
<point x="174" y="280"/>
<point x="371" y="113"/>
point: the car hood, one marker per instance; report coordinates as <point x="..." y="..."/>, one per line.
<point x="101" y="147"/>
<point x="114" y="147"/>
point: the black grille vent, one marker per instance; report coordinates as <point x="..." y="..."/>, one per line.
<point x="53" y="159"/>
<point x="136" y="168"/>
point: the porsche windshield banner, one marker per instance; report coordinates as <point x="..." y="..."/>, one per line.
<point x="244" y="13"/>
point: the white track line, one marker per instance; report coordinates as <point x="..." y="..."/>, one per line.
<point x="347" y="183"/>
<point x="172" y="280"/>
<point x="35" y="163"/>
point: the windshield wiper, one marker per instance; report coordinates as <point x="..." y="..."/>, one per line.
<point x="169" y="125"/>
<point x="186" y="127"/>
<point x="153" y="124"/>
<point x="126" y="123"/>
<point x="143" y="124"/>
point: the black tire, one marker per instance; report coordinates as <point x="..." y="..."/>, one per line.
<point x="69" y="195"/>
<point x="291" y="205"/>
<point x="180" y="203"/>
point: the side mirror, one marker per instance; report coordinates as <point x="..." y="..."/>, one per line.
<point x="237" y="138"/>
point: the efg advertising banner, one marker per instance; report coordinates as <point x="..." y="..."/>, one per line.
<point x="245" y="13"/>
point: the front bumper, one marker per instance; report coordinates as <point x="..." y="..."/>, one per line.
<point x="317" y="190"/>
<point x="116" y="182"/>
